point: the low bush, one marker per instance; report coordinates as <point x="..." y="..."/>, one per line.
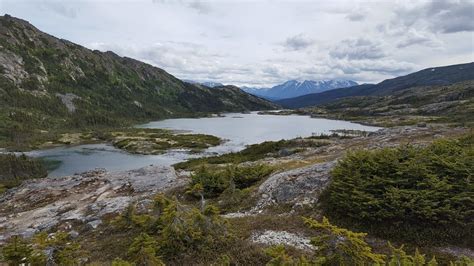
<point x="416" y="194"/>
<point x="339" y="246"/>
<point x="14" y="169"/>
<point x="240" y="177"/>
<point x="254" y="152"/>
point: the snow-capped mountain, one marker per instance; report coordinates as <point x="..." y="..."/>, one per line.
<point x="295" y="88"/>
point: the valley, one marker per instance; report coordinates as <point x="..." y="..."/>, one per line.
<point x="107" y="160"/>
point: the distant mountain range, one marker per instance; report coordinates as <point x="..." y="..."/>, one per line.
<point x="294" y="88"/>
<point x="431" y="76"/>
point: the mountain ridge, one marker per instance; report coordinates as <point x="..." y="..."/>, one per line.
<point x="294" y="88"/>
<point x="443" y="75"/>
<point x="51" y="84"/>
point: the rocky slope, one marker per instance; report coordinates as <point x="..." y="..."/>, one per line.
<point x="41" y="204"/>
<point x="442" y="103"/>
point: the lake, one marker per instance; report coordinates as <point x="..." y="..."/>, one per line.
<point x="237" y="129"/>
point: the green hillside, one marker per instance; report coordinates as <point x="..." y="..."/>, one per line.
<point x="49" y="84"/>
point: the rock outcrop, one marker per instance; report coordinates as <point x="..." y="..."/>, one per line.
<point x="272" y="238"/>
<point x="299" y="186"/>
<point x="44" y="203"/>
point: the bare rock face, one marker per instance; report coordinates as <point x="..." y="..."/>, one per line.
<point x="298" y="186"/>
<point x="272" y="238"/>
<point x="12" y="66"/>
<point x="68" y="100"/>
<point x="44" y="203"/>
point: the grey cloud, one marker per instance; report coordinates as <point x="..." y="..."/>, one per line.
<point x="194" y="62"/>
<point x="357" y="49"/>
<point x="448" y="16"/>
<point x="298" y="42"/>
<point x="59" y="8"/>
<point x="355" y="16"/>
<point x="387" y="67"/>
<point x="200" y="6"/>
<point x="414" y="37"/>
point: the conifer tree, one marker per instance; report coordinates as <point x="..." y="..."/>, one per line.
<point x="143" y="251"/>
<point x="340" y="246"/>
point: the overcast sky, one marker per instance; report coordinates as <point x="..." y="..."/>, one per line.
<point x="262" y="43"/>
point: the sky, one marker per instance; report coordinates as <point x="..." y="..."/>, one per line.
<point x="266" y="42"/>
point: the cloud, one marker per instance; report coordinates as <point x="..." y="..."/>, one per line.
<point x="355" y="16"/>
<point x="415" y="37"/>
<point x="195" y="62"/>
<point x="200" y="6"/>
<point x="298" y="42"/>
<point x="261" y="43"/>
<point x="59" y="7"/>
<point x="386" y="66"/>
<point x="449" y="16"/>
<point x="357" y="49"/>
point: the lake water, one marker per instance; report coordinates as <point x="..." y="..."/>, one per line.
<point x="238" y="129"/>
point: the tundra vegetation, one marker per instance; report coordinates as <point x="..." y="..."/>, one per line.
<point x="374" y="188"/>
<point x="15" y="169"/>
<point x="423" y="195"/>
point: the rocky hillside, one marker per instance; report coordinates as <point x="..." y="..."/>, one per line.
<point x="427" y="77"/>
<point x="441" y="103"/>
<point x="46" y="82"/>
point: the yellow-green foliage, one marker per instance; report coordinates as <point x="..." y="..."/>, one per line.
<point x="279" y="257"/>
<point x="143" y="251"/>
<point x="65" y="251"/>
<point x="17" y="251"/>
<point x="423" y="194"/>
<point x="182" y="228"/>
<point x="121" y="262"/>
<point x="214" y="182"/>
<point x="399" y="257"/>
<point x="339" y="246"/>
<point x="172" y="230"/>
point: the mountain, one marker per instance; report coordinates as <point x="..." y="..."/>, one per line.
<point x="294" y="88"/>
<point x="209" y="84"/>
<point x="453" y="103"/>
<point x="431" y="76"/>
<point x="49" y="83"/>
